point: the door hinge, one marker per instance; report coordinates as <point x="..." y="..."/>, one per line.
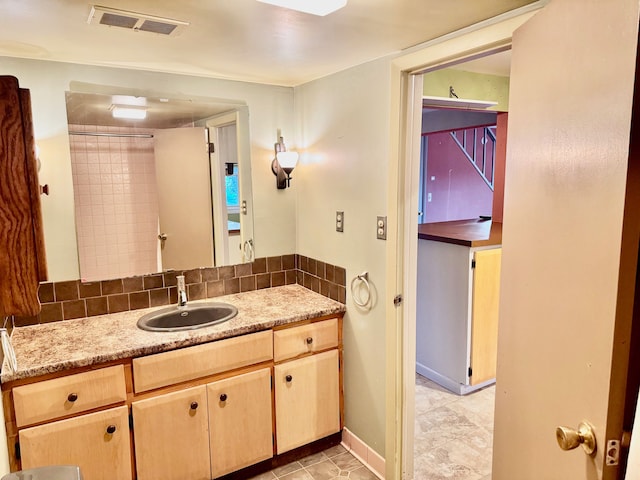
<point x="212" y="148"/>
<point x="397" y="300"/>
<point x="473" y="263"/>
<point x="130" y="420"/>
<point x="271" y="380"/>
<point x="273" y="439"/>
<point x="18" y="456"/>
<point x="470" y="372"/>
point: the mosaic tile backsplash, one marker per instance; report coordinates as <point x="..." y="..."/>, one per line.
<point x="75" y="299"/>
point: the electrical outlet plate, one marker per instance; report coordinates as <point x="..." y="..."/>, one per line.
<point x="381" y="228"/>
<point x="339" y="221"/>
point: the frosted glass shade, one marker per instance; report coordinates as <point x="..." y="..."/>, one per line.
<point x="288" y="159"/>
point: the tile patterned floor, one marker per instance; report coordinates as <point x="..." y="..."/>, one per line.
<point x="453" y="441"/>
<point x="336" y="463"/>
<point x="453" y="434"/>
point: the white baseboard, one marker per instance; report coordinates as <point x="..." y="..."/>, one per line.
<point x="449" y="384"/>
<point x="369" y="457"/>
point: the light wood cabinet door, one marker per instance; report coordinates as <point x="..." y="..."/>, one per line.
<point x="307" y="399"/>
<point x="171" y="436"/>
<point x="98" y="443"/>
<point x="240" y="421"/>
<point x="484" y="315"/>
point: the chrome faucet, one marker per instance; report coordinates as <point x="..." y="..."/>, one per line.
<point x="182" y="291"/>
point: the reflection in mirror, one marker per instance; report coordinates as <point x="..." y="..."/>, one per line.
<point x="167" y="190"/>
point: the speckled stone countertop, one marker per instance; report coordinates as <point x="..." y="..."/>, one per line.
<point x="53" y="347"/>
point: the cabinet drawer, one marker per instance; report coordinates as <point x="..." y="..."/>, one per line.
<point x="313" y="337"/>
<point x="162" y="369"/>
<point x="49" y="399"/>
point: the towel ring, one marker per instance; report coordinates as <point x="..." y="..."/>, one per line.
<point x="363" y="278"/>
<point x="247" y="251"/>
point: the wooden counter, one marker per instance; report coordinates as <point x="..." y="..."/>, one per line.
<point x="469" y="233"/>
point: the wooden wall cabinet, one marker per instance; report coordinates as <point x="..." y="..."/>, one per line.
<point x="22" y="254"/>
<point x="457" y="314"/>
<point x="187" y="421"/>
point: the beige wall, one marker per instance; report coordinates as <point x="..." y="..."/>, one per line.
<point x="270" y="109"/>
<point x="344" y="144"/>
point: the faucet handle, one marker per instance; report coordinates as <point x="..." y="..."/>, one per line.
<point x="182" y="291"/>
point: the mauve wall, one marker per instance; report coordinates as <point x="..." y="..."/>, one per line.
<point x="458" y="192"/>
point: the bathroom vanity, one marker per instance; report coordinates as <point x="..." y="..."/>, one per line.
<point x="125" y="403"/>
<point x="457" y="303"/>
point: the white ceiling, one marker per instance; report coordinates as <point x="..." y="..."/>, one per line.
<point x="236" y="39"/>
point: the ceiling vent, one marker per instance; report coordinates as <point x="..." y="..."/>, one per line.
<point x="112" y="17"/>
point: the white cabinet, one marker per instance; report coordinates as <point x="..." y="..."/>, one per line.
<point x="457" y="314"/>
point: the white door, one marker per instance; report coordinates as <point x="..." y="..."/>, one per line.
<point x="184" y="197"/>
<point x="563" y="309"/>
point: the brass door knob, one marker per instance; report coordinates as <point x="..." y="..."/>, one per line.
<point x="568" y="438"/>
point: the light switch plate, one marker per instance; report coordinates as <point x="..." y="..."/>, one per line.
<point x="339" y="221"/>
<point x="381" y="228"/>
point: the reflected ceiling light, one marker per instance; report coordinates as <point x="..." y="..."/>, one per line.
<point x="314" y="7"/>
<point x="129" y="113"/>
<point x="283" y="164"/>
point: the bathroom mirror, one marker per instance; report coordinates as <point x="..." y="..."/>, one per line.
<point x="169" y="189"/>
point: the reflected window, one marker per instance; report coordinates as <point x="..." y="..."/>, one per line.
<point x="233" y="197"/>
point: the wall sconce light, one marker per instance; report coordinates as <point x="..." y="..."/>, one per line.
<point x="283" y="164"/>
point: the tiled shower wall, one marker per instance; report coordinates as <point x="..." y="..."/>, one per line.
<point x="116" y="202"/>
<point x="77" y="299"/>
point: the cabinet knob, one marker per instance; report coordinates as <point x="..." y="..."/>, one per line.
<point x="223" y="397"/>
<point x="309" y="340"/>
<point x="72" y="397"/>
<point x="194" y="405"/>
<point x="288" y="378"/>
<point x="111" y="429"/>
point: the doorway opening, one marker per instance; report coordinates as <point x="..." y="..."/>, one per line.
<point x="458" y="268"/>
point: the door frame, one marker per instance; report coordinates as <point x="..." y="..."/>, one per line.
<point x="482" y="39"/>
<point x="239" y="118"/>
